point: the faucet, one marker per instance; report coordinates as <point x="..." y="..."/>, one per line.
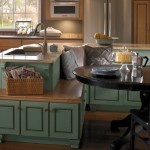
<point x="44" y="46"/>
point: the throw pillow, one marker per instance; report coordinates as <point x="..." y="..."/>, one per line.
<point x="97" y="55"/>
<point x="69" y="63"/>
<point x="79" y="52"/>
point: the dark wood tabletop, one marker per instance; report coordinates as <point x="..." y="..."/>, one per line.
<point x="134" y="79"/>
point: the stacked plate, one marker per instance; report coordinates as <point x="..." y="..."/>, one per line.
<point x="105" y="71"/>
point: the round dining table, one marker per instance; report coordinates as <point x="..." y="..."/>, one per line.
<point x="112" y="77"/>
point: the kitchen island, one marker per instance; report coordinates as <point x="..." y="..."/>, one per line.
<point x="54" y="117"/>
<point x="57" y="116"/>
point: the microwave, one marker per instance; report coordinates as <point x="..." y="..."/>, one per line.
<point x="64" y="8"/>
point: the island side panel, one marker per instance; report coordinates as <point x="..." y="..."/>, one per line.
<point x="49" y="71"/>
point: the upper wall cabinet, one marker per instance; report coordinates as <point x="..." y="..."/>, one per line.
<point x="141" y="21"/>
<point x="57" y="10"/>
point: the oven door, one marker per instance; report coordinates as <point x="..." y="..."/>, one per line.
<point x="64" y="9"/>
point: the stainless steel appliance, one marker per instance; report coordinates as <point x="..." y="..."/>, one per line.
<point x="111" y="17"/>
<point x="64" y="8"/>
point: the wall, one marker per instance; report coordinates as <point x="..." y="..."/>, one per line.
<point x="66" y="26"/>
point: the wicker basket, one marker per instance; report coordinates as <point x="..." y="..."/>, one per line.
<point x="24" y="86"/>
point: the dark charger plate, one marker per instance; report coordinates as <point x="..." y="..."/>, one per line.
<point x="105" y="71"/>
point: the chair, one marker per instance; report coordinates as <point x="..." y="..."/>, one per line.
<point x="140" y="120"/>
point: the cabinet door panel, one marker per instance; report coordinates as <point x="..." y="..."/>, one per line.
<point x="9" y="117"/>
<point x="64" y="120"/>
<point x="103" y="95"/>
<point x="34" y="118"/>
<point x="141" y="22"/>
<point x="133" y="96"/>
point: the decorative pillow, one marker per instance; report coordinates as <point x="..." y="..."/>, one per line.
<point x="79" y="52"/>
<point x="69" y="63"/>
<point x="97" y="55"/>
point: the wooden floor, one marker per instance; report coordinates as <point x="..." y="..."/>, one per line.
<point x="96" y="135"/>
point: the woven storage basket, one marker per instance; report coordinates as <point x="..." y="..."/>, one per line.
<point x="24" y="86"/>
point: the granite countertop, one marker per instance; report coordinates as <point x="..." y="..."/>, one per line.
<point x="129" y="46"/>
<point x="51" y="57"/>
<point x="132" y="46"/>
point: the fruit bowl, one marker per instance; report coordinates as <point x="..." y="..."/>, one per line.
<point x="109" y="41"/>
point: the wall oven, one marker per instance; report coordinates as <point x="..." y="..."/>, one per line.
<point x="64" y="8"/>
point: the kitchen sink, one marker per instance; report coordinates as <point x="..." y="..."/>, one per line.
<point x="20" y="53"/>
<point x="23" y="52"/>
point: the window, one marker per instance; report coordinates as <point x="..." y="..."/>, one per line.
<point x="18" y="10"/>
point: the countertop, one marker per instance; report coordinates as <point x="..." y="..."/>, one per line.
<point x="64" y="36"/>
<point x="65" y="92"/>
<point x="129" y="46"/>
<point x="51" y="57"/>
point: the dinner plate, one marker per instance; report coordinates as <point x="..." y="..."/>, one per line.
<point x="105" y="71"/>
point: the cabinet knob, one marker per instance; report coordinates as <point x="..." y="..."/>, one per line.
<point x="52" y="109"/>
<point x="46" y="110"/>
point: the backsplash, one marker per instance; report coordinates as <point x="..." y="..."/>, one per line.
<point x="7" y="33"/>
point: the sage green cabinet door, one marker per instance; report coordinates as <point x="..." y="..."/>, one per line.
<point x="133" y="98"/>
<point x="64" y="120"/>
<point x="34" y="118"/>
<point x="100" y="95"/>
<point x="113" y="100"/>
<point x="9" y="117"/>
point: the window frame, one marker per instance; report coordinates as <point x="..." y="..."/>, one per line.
<point x="38" y="21"/>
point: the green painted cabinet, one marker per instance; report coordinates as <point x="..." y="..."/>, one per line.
<point x="41" y="122"/>
<point x="112" y="100"/>
<point x="64" y="120"/>
<point x="49" y="71"/>
<point x="2" y="75"/>
<point x="9" y="117"/>
<point x="34" y="118"/>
